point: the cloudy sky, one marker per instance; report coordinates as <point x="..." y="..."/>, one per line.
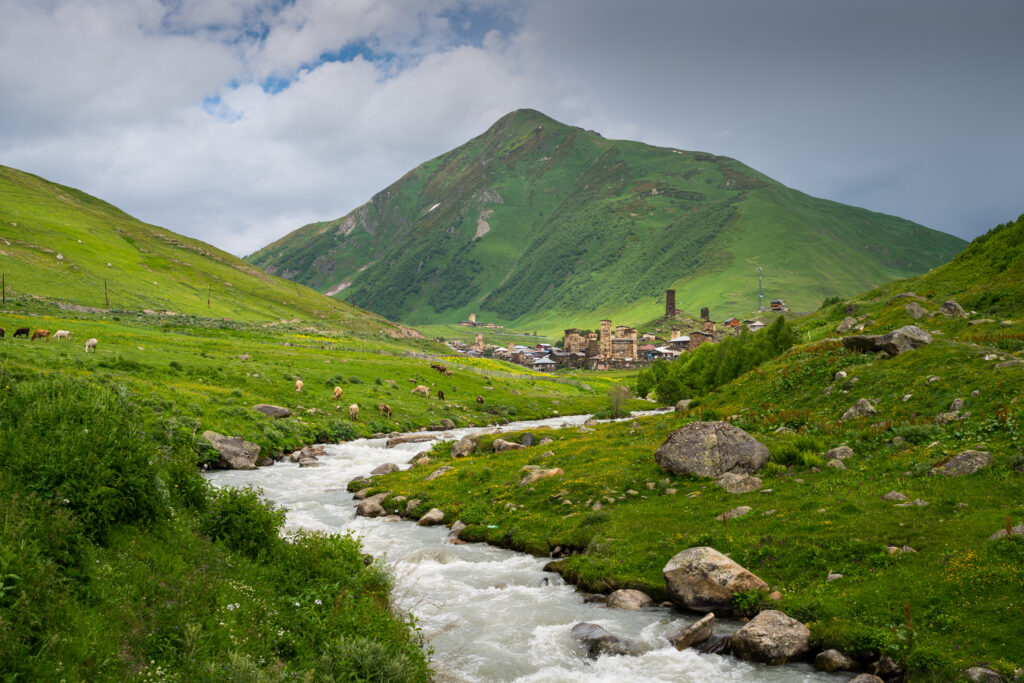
<point x="236" y="121"/>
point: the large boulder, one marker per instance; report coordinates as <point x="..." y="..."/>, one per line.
<point x="432" y="518"/>
<point x="705" y="580"/>
<point x="235" y="452"/>
<point x="846" y="325"/>
<point x="407" y="438"/>
<point x="371" y="506"/>
<point x="438" y="472"/>
<point x="462" y="448"/>
<point x="534" y="473"/>
<point x="904" y="339"/>
<point x="272" y="410"/>
<point x="629" y="598"/>
<point x="967" y="462"/>
<point x="862" y="408"/>
<point x="894" y="343"/>
<point x="597" y="641"/>
<point x="981" y="674"/>
<point x="952" y="309"/>
<point x="833" y="660"/>
<point x="771" y="637"/>
<point x="386" y="468"/>
<point x="501" y="445"/>
<point x="710" y="449"/>
<point x="694" y="634"/>
<point x="916" y="310"/>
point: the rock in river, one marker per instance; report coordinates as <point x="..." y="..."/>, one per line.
<point x="771" y="637"/>
<point x="705" y="580"/>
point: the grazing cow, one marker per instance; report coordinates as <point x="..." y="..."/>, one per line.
<point x="449" y="373"/>
<point x="353" y="411"/>
<point x="420" y="389"/>
<point x="21" y="332"/>
<point x="41" y="334"/>
<point x="2" y="332"/>
<point x="298" y="385"/>
<point x="440" y="395"/>
<point x="385" y="409"/>
<point x="337" y="393"/>
<point x="479" y="398"/>
<point x="91" y="345"/>
<point x="61" y="334"/>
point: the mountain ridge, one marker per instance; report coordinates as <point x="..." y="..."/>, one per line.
<point x="535" y="222"/>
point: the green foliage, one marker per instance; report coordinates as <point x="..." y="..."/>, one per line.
<point x="243" y="520"/>
<point x="81" y="445"/>
<point x="713" y="365"/>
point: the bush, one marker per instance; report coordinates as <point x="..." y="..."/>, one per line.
<point x="83" y="446"/>
<point x="243" y="520"/>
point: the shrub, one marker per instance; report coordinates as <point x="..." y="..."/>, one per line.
<point x="243" y="520"/>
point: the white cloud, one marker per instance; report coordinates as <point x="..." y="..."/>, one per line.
<point x="158" y="107"/>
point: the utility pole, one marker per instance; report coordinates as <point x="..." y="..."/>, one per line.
<point x="760" y="290"/>
<point x="106" y="297"/>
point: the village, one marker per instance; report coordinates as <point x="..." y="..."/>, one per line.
<point x="625" y="348"/>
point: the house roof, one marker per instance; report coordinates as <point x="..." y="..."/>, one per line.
<point x="646" y="347"/>
<point x="544" y="361"/>
<point x="682" y="338"/>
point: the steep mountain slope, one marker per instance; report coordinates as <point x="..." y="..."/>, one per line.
<point x="542" y="224"/>
<point x="61" y="244"/>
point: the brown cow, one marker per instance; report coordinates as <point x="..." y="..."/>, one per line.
<point x="2" y="332"/>
<point x="21" y="332"/>
<point x="385" y="409"/>
<point x="440" y="395"/>
<point x="337" y="393"/>
<point x="479" y="398"/>
<point x="420" y="389"/>
<point x="41" y="334"/>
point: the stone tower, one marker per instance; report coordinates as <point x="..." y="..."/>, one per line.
<point x="705" y="313"/>
<point x="478" y="343"/>
<point x="633" y="346"/>
<point x="670" y="303"/>
<point x="606" y="339"/>
<point x="472" y="318"/>
<point x="675" y="332"/>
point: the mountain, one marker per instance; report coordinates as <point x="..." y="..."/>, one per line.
<point x="547" y="226"/>
<point x="58" y="243"/>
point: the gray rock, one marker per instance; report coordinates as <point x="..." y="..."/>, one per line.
<point x="309" y="462"/>
<point x="535" y="473"/>
<point x="894" y="495"/>
<point x="952" y="309"/>
<point x="501" y="445"/>
<point x="386" y="468"/>
<point x="265" y="461"/>
<point x="734" y="513"/>
<point x="683" y="405"/>
<point x="865" y="678"/>
<point x="1016" y="362"/>
<point x="894" y="343"/>
<point x="407" y="438"/>
<point x="447" y="424"/>
<point x="833" y="660"/>
<point x="885" y="666"/>
<point x="946" y="418"/>
<point x="272" y="410"/>
<point x="629" y="598"/>
<point x="846" y="325"/>
<point x="456" y="527"/>
<point x="462" y="448"/>
<point x="737" y="483"/>
<point x="1018" y="531"/>
<point x="709" y="449"/>
<point x="705" y="580"/>
<point x="694" y="634"/>
<point x="957" y="405"/>
<point x="915" y="310"/>
<point x="839" y="453"/>
<point x="833" y="577"/>
<point x="980" y="674"/>
<point x="371" y="507"/>
<point x="411" y="506"/>
<point x="432" y="518"/>
<point x="836" y="463"/>
<point x="967" y="462"/>
<point x="527" y="439"/>
<point x="916" y="503"/>
<point x="597" y="641"/>
<point x="862" y="408"/>
<point x="771" y="637"/>
<point x="235" y="452"/>
<point x="438" y="472"/>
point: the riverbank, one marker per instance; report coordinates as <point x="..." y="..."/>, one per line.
<point x="619" y="519"/>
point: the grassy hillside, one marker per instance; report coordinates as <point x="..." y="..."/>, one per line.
<point x="60" y="244"/>
<point x="539" y="225"/>
<point x="951" y="601"/>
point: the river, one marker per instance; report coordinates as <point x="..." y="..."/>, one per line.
<point x="492" y="614"/>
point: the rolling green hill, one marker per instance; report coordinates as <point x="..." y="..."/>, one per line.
<point x="544" y="226"/>
<point x="60" y="244"/>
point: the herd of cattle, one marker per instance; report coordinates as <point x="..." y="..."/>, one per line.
<point x="90" y="344"/>
<point x="353" y="410"/>
<point x="384" y="408"/>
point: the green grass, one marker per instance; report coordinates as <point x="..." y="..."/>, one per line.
<point x="587" y="228"/>
<point x="962" y="591"/>
<point x="118" y="562"/>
